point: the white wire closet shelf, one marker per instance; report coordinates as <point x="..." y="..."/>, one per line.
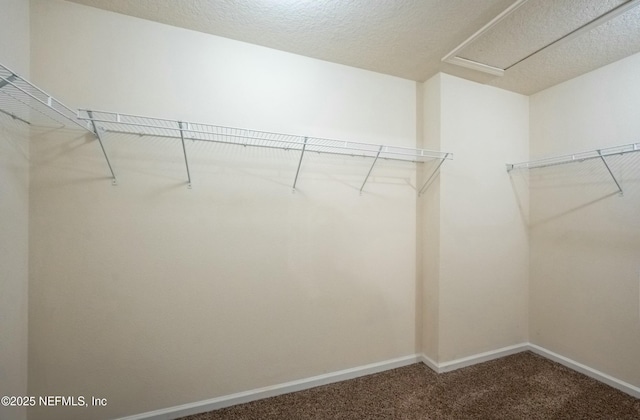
<point x="111" y="122"/>
<point x="27" y="103"/>
<point x="600" y="154"/>
<point x="24" y="102"/>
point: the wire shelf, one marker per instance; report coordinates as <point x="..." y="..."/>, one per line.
<point x="29" y="104"/>
<point x="147" y="126"/>
<point x="24" y="102"/>
<point x="600" y="154"/>
<point x="576" y="157"/>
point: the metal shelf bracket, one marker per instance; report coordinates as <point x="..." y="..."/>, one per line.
<point x="135" y="125"/>
<point x="433" y="174"/>
<point x="611" y="173"/>
<point x="99" y="132"/>
<point x="371" y="168"/>
<point x="8" y="80"/>
<point x="25" y="102"/>
<point x="181" y="126"/>
<point x="599" y="154"/>
<point x="304" y="147"/>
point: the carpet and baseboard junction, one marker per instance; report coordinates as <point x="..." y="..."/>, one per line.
<point x="515" y="382"/>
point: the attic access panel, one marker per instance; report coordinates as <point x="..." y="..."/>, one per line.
<point x="529" y="26"/>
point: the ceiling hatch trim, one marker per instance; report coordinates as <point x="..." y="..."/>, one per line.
<point x="453" y="56"/>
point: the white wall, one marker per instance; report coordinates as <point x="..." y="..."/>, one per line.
<point x="14" y="211"/>
<point x="479" y="270"/>
<point x="585" y="240"/>
<point x="153" y="295"/>
<point x="484" y="242"/>
<point x="169" y="72"/>
<point x="150" y="294"/>
<point x="428" y="215"/>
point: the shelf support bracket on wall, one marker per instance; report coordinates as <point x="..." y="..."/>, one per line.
<point x="435" y="171"/>
<point x="15" y="117"/>
<point x="111" y="122"/>
<point x="184" y="150"/>
<point x="610" y="172"/>
<point x="3" y="83"/>
<point x="8" y="80"/>
<point x="304" y="147"/>
<point x="99" y="132"/>
<point x="371" y="169"/>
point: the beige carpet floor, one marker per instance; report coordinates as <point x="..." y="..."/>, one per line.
<point x="521" y="386"/>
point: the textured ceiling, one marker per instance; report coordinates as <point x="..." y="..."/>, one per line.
<point x="609" y="42"/>
<point x="408" y="38"/>
<point x="519" y="34"/>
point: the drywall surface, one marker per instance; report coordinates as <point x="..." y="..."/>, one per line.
<point x="14" y="43"/>
<point x="428" y="216"/>
<point x="150" y="294"/>
<point x="14" y="219"/>
<point x="585" y="239"/>
<point x="483" y="269"/>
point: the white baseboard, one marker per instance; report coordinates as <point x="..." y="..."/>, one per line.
<point x="625" y="387"/>
<point x="474" y="359"/>
<point x="272" y="391"/>
<point x="343" y="375"/>
<point x="481" y="357"/>
<point x="429" y="362"/>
